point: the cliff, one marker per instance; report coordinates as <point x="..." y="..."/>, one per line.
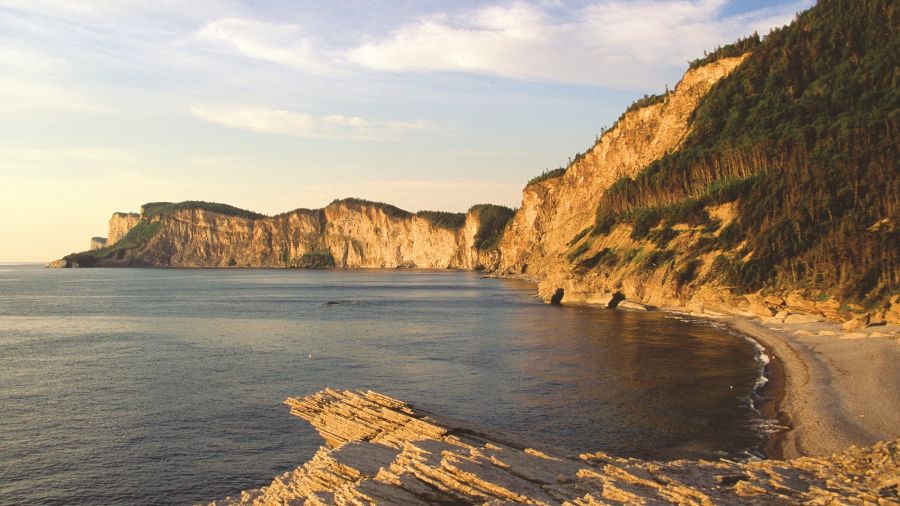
<point x="383" y="451"/>
<point x="97" y="242"/>
<point x="556" y="213"/>
<point x="119" y="225"/>
<point x="349" y="233"/>
<point x="765" y="183"/>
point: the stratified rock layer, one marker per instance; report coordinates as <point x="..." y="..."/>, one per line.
<point x="119" y="225"/>
<point x="381" y="450"/>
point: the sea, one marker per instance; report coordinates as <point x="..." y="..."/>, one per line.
<point x="166" y="386"/>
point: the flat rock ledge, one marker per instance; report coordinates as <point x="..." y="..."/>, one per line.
<point x="383" y="451"/>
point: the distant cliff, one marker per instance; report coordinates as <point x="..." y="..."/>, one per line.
<point x="347" y="233"/>
<point x="119" y="225"/>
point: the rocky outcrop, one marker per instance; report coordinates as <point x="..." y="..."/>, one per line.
<point x="98" y="242"/>
<point x="383" y="451"/>
<point x="119" y="225"/>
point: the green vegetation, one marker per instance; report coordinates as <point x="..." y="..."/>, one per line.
<point x="357" y="204"/>
<point x="803" y="135"/>
<point x="547" y="174"/>
<point x="580" y="250"/>
<point x="318" y="259"/>
<point x="301" y="211"/>
<point x="736" y="48"/>
<point x="492" y="221"/>
<point x="662" y="236"/>
<point x="645" y="101"/>
<point x="687" y="272"/>
<point x="604" y="258"/>
<point x="441" y="219"/>
<point x="139" y="235"/>
<point x="152" y="209"/>
<point x="654" y="259"/>
<point x="580" y="235"/>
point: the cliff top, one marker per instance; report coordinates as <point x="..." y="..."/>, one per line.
<point x="736" y="48"/>
<point x="356" y="203"/>
<point x="166" y="208"/>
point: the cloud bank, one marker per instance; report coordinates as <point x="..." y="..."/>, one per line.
<point x="606" y="43"/>
<point x="295" y="124"/>
<point x="283" y="44"/>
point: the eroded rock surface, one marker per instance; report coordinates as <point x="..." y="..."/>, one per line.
<point x="98" y="242"/>
<point x="381" y="450"/>
<point x="119" y="225"/>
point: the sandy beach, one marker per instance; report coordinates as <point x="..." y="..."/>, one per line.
<point x="839" y="388"/>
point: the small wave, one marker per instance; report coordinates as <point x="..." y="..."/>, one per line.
<point x="760" y="382"/>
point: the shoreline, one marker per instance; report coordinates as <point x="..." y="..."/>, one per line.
<point x="382" y="450"/>
<point x="828" y="389"/>
<point x="770" y="405"/>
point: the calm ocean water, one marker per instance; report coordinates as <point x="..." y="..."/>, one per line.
<point x="151" y="386"/>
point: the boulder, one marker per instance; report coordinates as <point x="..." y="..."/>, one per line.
<point x="757" y="306"/>
<point x="860" y="322"/>
<point x="892" y="313"/>
<point x="781" y="315"/>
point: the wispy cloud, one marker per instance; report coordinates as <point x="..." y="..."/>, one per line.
<point x="284" y="44"/>
<point x="295" y="124"/>
<point x="611" y="43"/>
<point x="606" y="42"/>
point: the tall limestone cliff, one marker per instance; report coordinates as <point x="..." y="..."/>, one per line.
<point x="119" y="225"/>
<point x="557" y="209"/>
<point x="349" y="233"/>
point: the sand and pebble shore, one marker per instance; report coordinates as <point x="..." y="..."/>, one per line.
<point x="831" y="388"/>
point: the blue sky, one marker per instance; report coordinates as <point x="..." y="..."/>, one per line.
<point x="276" y="105"/>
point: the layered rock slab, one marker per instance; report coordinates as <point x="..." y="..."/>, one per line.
<point x="380" y="450"/>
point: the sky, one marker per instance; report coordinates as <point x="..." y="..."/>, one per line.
<point x="270" y="106"/>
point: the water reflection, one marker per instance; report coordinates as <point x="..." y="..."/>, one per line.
<point x="120" y="386"/>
